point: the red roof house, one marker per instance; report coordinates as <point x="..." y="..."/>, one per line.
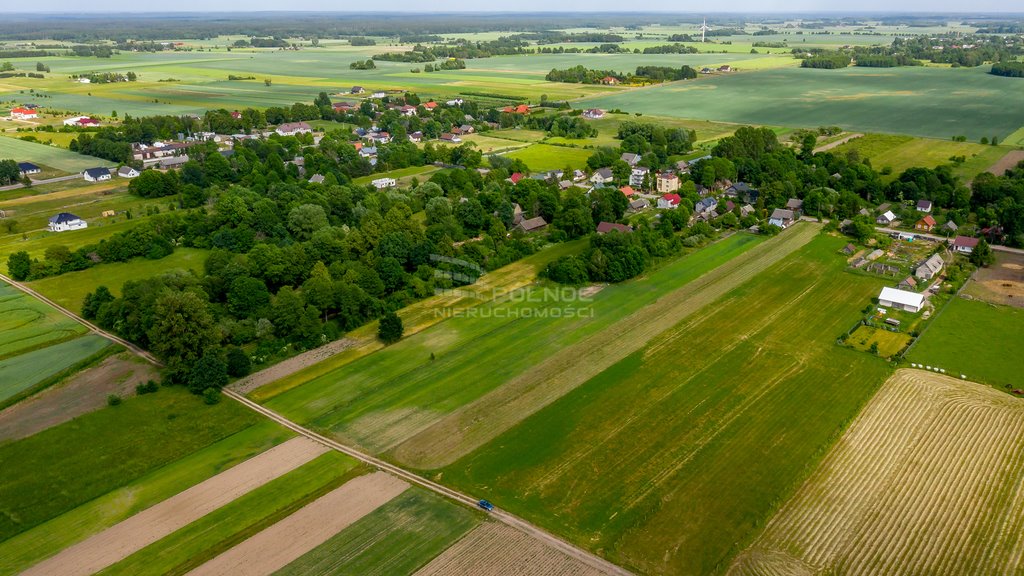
<point x="964" y="244"/>
<point x="516" y="177"/>
<point x="606" y="227"/>
<point x="669" y="201"/>
<point x="430" y="105"/>
<point x="926" y="223"/>
<point x="628" y="190"/>
<point x="520" y="109"/>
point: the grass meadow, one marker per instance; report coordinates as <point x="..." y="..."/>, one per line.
<point x="901" y="152"/>
<point x="69" y="290"/>
<point x="88" y="457"/>
<point x="76" y="524"/>
<point x="21" y="375"/>
<point x="673" y="458"/>
<point x="982" y="341"/>
<point x="541" y="157"/>
<point x="52" y="156"/>
<point x="241" y="518"/>
<point x="27" y="324"/>
<point x="419" y="523"/>
<point x="923" y="101"/>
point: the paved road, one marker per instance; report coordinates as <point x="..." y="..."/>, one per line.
<point x="44" y="181"/>
<point x="500" y="515"/>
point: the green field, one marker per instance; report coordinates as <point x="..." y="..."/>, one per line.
<point x="27" y="323"/>
<point x="36" y="243"/>
<point x="541" y="157"/>
<point x="245" y="516"/>
<point x="673" y="458"/>
<point x="69" y="289"/>
<point x="922" y="101"/>
<point x="32" y="546"/>
<point x="889" y="343"/>
<point x="903" y="152"/>
<point x="386" y="397"/>
<point x="984" y="342"/>
<point x="88" y="457"/>
<point x="52" y="156"/>
<point x="419" y="523"/>
<point x="19" y="374"/>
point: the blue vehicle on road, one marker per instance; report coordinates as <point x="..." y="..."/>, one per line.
<point x="485" y="505"/>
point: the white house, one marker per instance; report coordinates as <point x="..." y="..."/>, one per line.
<point x="127" y="172"/>
<point x="669" y="201"/>
<point x="924" y="206"/>
<point x="594" y="113"/>
<point x="901" y="299"/>
<point x="96" y="174"/>
<point x="378" y="95"/>
<point x="66" y="221"/>
<point x="602" y="176"/>
<point x="964" y="244"/>
<point x="382" y="183"/>
<point x="885" y="219"/>
<point x="293" y="128"/>
<point x="23" y="114"/>
<point x="781" y="217"/>
<point x="28" y="168"/>
<point x="636" y="176"/>
<point x="81" y="121"/>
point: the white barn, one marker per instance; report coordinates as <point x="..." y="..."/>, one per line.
<point x="901" y="299"/>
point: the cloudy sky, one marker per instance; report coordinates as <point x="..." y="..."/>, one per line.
<point x="688" y="6"/>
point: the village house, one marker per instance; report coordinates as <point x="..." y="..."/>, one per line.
<point x="127" y="172"/>
<point x="357" y="90"/>
<point x="532" y="224"/>
<point x="637" y="175"/>
<point x="907" y="283"/>
<point x="741" y="191"/>
<point x="293" y="128"/>
<point x="520" y="109"/>
<point x="467" y="129"/>
<point x="316" y="179"/>
<point x="669" y="201"/>
<point x="28" y="168"/>
<point x="382" y="183"/>
<point x="516" y="177"/>
<point x="964" y="244"/>
<point x="705" y="207"/>
<point x="173" y="162"/>
<point x="96" y="174"/>
<point x="593" y="114"/>
<point x="781" y="217"/>
<point x="610" y="81"/>
<point x="454" y="102"/>
<point x="925" y="224"/>
<point x="416" y="137"/>
<point x="924" y="206"/>
<point x="627" y="190"/>
<point x="886" y="218"/>
<point x="606" y="227"/>
<point x="23" y="114"/>
<point x="447" y="137"/>
<point x="630" y="158"/>
<point x="667" y="182"/>
<point x="796" y="205"/>
<point x="81" y="121"/>
<point x="950" y="227"/>
<point x="379" y="94"/>
<point x="900" y="299"/>
<point x="408" y="110"/>
<point x="746" y="210"/>
<point x="929" y="268"/>
<point x="430" y="105"/>
<point x="602" y="176"/>
<point x="66" y="221"/>
<point x="639" y="204"/>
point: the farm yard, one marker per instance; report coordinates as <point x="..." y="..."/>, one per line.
<point x="1000" y="283"/>
<point x="924" y="481"/>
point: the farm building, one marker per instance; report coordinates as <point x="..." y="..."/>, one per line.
<point x="964" y="244"/>
<point x="606" y="227"/>
<point x="532" y="224"/>
<point x="81" y="121"/>
<point x="930" y="267"/>
<point x="96" y="174"/>
<point x="908" y="283"/>
<point x="23" y="114"/>
<point x="925" y="224"/>
<point x="28" y="168"/>
<point x="900" y="299"/>
<point x="127" y="172"/>
<point x="781" y="217"/>
<point x="667" y="182"/>
<point x="293" y="128"/>
<point x="66" y="221"/>
<point x="382" y="183"/>
<point x="173" y="161"/>
<point x="594" y="114"/>
<point x="669" y="201"/>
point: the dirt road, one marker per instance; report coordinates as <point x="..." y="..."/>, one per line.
<point x="133" y="534"/>
<point x="837" y="143"/>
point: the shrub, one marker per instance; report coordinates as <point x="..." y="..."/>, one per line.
<point x="238" y="363"/>
<point x="211" y="396"/>
<point x="390" y="329"/>
<point x="147" y="388"/>
<point x="113" y="400"/>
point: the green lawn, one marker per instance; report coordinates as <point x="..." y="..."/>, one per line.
<point x="68" y="465"/>
<point x="984" y="342"/>
<point x="52" y="156"/>
<point x="32" y="546"/>
<point x="922" y="101"/>
<point x="385" y="397"/>
<point x="672" y="459"/>
<point x="889" y="343"/>
<point x="36" y="243"/>
<point x="22" y="374"/>
<point x="403" y="175"/>
<point x="27" y="323"/>
<point x="419" y="523"/>
<point x="69" y="289"/>
<point x="231" y="524"/>
<point x="541" y="157"/>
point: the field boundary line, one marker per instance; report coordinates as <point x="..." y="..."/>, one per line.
<point x="500" y="515"/>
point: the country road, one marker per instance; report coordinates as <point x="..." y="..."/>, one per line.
<point x="38" y="182"/>
<point x="500" y="515"/>
<point x="837" y="143"/>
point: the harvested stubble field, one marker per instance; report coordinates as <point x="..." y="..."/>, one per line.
<point x="419" y="523"/>
<point x="670" y="460"/>
<point x="117" y="542"/>
<point x="925" y="481"/>
<point x="301" y="532"/>
<point x="494" y="549"/>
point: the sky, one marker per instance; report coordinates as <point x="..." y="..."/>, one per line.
<point x="758" y="6"/>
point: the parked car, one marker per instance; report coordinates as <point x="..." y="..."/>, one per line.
<point x="485" y="505"/>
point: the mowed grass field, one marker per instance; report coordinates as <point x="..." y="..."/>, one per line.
<point x="420" y="524"/>
<point x="52" y="156"/>
<point x="27" y="324"/>
<point x="922" y="101"/>
<point x="925" y="481"/>
<point x="388" y="396"/>
<point x="982" y="341"/>
<point x="69" y="290"/>
<point x="902" y="152"/>
<point x="670" y="460"/>
<point x="541" y="157"/>
<point x="19" y="374"/>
